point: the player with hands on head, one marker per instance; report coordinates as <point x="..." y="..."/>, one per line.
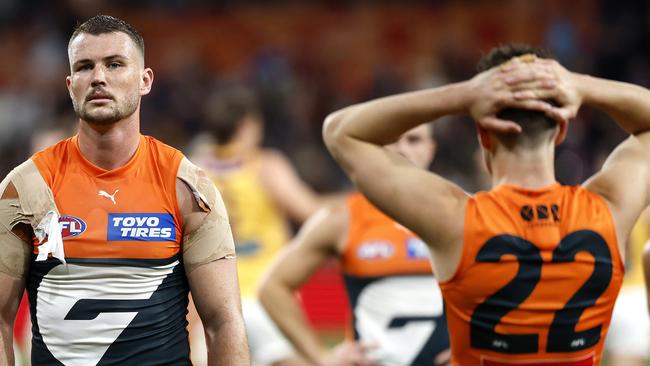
<point x="529" y="270"/>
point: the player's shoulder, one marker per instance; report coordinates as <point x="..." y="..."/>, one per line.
<point x="162" y="149"/>
<point x="54" y="154"/>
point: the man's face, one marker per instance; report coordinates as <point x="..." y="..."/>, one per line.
<point x="107" y="77"/>
<point x="416" y="145"/>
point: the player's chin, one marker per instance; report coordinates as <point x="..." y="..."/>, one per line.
<point x="100" y="115"/>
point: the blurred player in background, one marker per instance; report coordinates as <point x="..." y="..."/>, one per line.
<point x="628" y="341"/>
<point x="397" y="309"/>
<point x="262" y="192"/>
<point x="530" y="270"/>
<point x="109" y="229"/>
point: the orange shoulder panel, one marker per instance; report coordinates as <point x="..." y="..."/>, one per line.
<point x="378" y="246"/>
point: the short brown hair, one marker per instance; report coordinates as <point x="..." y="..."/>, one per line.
<point x="100" y="24"/>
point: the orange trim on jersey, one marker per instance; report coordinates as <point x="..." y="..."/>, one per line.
<point x="526" y="257"/>
<point x="378" y="246"/>
<point x="139" y="197"/>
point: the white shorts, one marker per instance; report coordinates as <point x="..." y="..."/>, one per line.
<point x="266" y="342"/>
<point x="629" y="332"/>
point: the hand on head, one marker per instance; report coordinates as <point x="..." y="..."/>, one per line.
<point x="525" y="82"/>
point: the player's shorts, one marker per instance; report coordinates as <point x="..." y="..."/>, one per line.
<point x="266" y="342"/>
<point x="629" y="332"/>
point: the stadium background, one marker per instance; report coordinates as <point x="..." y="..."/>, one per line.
<point x="307" y="58"/>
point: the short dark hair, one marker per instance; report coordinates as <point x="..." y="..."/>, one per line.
<point x="226" y="110"/>
<point x="100" y="24"/>
<point x="533" y="124"/>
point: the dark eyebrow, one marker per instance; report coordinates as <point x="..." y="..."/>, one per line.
<point x="107" y="58"/>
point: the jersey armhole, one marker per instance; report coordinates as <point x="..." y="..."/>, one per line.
<point x="468" y="222"/>
<point x="612" y="224"/>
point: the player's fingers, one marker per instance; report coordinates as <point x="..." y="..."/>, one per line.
<point x="561" y="114"/>
<point x="541" y="84"/>
<point x="499" y="125"/>
<point x="443" y="358"/>
<point x="530" y="104"/>
<point x="537" y="93"/>
<point x="527" y="74"/>
<point x="368" y="346"/>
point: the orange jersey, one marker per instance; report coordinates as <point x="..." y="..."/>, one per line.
<point x="396" y="303"/>
<point x="537" y="280"/>
<point x="122" y="296"/>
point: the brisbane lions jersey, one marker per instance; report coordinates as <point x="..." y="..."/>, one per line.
<point x="120" y="298"/>
<point x="537" y="280"/>
<point x="396" y="302"/>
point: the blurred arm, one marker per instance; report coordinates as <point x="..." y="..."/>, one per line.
<point x="286" y="188"/>
<point x="215" y="290"/>
<point x="315" y="242"/>
<point x="646" y="273"/>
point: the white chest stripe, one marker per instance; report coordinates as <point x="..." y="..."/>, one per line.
<point x="84" y="342"/>
<point x="388" y="299"/>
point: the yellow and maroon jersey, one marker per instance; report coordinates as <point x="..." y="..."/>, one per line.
<point x="396" y="303"/>
<point x="260" y="228"/>
<point x="122" y="296"/>
<point x="537" y="280"/>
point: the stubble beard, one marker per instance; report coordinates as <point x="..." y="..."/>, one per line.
<point x="117" y="112"/>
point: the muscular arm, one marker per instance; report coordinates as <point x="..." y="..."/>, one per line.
<point x="316" y="241"/>
<point x="629" y="106"/>
<point x="14" y="252"/>
<point x="215" y="291"/>
<point x="422" y="201"/>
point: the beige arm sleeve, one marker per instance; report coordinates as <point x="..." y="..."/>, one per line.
<point x="212" y="240"/>
<point x="14" y="252"/>
<point x="34" y="201"/>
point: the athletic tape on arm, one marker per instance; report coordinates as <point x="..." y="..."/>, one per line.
<point x="35" y="207"/>
<point x="213" y="239"/>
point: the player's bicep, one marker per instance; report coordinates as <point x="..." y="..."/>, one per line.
<point x="215" y="291"/>
<point x="316" y="241"/>
<point x="207" y="236"/>
<point x="14" y="234"/>
<point x="624" y="181"/>
<point x="14" y="253"/>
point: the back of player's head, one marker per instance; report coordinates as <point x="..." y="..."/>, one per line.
<point x="536" y="127"/>
<point x="101" y="24"/>
<point x="226" y="111"/>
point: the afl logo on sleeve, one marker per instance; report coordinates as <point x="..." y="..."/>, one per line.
<point x="141" y="227"/>
<point x="71" y="226"/>
<point x="416" y="249"/>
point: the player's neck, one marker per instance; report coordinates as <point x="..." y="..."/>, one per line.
<point x="526" y="169"/>
<point x="110" y="146"/>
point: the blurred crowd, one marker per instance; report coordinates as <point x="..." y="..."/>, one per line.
<point x="305" y="59"/>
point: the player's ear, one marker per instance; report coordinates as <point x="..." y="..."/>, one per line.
<point x="146" y="81"/>
<point x="484" y="138"/>
<point x="562" y="131"/>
